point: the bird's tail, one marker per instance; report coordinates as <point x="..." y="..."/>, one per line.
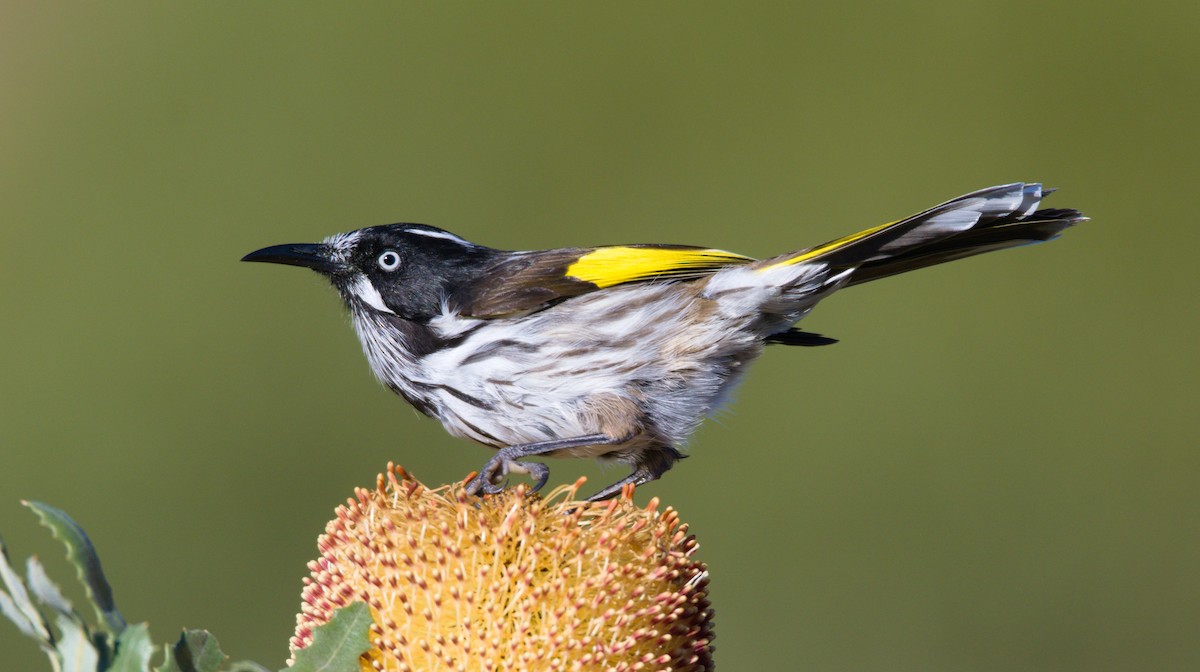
<point x="989" y="219"/>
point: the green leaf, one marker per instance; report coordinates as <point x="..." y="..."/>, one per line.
<point x="10" y="610"/>
<point x="133" y="650"/>
<point x="196" y="651"/>
<point x="16" y="605"/>
<point x="82" y="554"/>
<point x="247" y="666"/>
<point x="46" y="591"/>
<point x="75" y="648"/>
<point x="337" y="644"/>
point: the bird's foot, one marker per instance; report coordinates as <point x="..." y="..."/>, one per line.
<point x="508" y="460"/>
<point x="490" y="480"/>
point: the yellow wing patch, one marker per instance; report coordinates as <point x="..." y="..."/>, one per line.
<point x="827" y="247"/>
<point x="608" y="266"/>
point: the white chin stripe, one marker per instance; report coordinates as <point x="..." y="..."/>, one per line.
<point x="366" y="292"/>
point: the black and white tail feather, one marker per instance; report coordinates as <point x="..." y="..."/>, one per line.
<point x="614" y="352"/>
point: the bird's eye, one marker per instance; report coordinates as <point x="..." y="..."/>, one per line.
<point x="389" y="261"/>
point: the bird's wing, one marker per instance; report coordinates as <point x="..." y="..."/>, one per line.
<point x="524" y="281"/>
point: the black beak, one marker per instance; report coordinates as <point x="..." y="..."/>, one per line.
<point x="307" y="255"/>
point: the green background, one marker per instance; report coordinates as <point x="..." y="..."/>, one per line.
<point x="994" y="470"/>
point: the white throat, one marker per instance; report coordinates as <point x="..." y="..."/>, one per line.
<point x="386" y="348"/>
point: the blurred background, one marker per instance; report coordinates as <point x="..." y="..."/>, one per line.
<point x="994" y="470"/>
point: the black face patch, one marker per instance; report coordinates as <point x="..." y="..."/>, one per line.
<point x="415" y="268"/>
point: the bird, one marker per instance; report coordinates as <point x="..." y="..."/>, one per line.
<point x="615" y="352"/>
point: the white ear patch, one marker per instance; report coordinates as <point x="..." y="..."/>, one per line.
<point x="364" y="291"/>
<point x="449" y="324"/>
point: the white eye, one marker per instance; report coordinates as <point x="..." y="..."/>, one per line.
<point x="389" y="261"/>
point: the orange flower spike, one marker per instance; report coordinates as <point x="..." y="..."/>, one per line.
<point x="512" y="581"/>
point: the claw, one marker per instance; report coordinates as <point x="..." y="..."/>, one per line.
<point x="506" y="461"/>
<point x="537" y="471"/>
<point x="473" y="486"/>
<point x="490" y="480"/>
<point x="479" y="486"/>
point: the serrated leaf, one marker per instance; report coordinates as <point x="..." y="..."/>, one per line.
<point x="16" y="605"/>
<point x="75" y="648"/>
<point x="82" y="554"/>
<point x="46" y="591"/>
<point x="196" y="651"/>
<point x="337" y="645"/>
<point x="134" y="649"/>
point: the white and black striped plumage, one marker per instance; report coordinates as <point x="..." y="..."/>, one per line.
<point x="616" y="352"/>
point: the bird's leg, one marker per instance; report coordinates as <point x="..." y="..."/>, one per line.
<point x="651" y="465"/>
<point x="639" y="476"/>
<point x="507" y="461"/>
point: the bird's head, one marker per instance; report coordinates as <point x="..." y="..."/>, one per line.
<point x="408" y="270"/>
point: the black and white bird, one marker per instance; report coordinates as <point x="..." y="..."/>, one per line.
<point x="615" y="352"/>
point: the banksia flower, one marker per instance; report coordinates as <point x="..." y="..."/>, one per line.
<point x="512" y="581"/>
